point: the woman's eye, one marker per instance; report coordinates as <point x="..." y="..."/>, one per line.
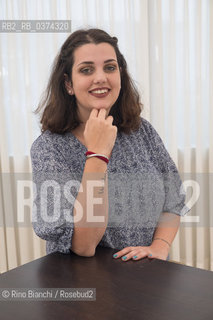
<point x="89" y="70"/>
<point x="86" y="70"/>
<point x="111" y="68"/>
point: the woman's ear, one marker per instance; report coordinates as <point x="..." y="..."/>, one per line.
<point x="68" y="84"/>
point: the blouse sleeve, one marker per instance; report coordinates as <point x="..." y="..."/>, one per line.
<point x="52" y="211"/>
<point x="174" y="192"/>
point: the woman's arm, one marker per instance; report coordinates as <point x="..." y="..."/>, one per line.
<point x="99" y="136"/>
<point x="87" y="235"/>
<point x="54" y="208"/>
<point x="165" y="233"/>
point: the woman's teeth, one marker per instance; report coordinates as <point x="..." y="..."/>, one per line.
<point x="100" y="91"/>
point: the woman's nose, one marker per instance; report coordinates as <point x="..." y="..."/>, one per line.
<point x="99" y="76"/>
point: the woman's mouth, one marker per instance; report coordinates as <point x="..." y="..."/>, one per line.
<point x="100" y="93"/>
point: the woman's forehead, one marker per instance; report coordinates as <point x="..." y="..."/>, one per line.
<point x="94" y="52"/>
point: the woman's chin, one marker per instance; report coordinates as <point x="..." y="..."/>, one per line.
<point x="102" y="106"/>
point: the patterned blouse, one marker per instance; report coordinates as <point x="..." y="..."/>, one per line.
<point x="143" y="182"/>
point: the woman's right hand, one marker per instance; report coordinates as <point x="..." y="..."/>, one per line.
<point x="99" y="133"/>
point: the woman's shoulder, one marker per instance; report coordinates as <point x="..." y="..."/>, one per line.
<point x="146" y="137"/>
<point x="48" y="152"/>
<point x="147" y="127"/>
<point x="145" y="131"/>
<point x="62" y="151"/>
<point x="144" y="134"/>
<point x="49" y="140"/>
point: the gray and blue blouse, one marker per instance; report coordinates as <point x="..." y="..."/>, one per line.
<point x="143" y="182"/>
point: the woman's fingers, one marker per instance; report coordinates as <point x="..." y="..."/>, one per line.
<point x="109" y="119"/>
<point x="122" y="252"/>
<point x="102" y="114"/>
<point x="99" y="133"/>
<point x="142" y="254"/>
<point x="93" y="113"/>
<point x="135" y="253"/>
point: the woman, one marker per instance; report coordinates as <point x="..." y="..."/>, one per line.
<point x="102" y="174"/>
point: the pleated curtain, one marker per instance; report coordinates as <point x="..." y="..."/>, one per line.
<point x="169" y="49"/>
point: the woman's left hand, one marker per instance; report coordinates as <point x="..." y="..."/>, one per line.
<point x="156" y="250"/>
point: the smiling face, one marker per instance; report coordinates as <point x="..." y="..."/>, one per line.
<point x="96" y="78"/>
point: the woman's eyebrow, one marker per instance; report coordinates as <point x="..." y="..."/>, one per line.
<point x="91" y="62"/>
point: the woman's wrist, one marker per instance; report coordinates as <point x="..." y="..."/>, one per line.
<point x="161" y="239"/>
<point x="160" y="245"/>
<point x="95" y="165"/>
<point x="103" y="157"/>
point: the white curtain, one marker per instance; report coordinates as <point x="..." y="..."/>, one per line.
<point x="181" y="102"/>
<point x="169" y="49"/>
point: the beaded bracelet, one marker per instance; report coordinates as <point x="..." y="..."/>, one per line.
<point x="90" y="154"/>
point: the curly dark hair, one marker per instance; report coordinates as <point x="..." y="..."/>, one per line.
<point x="59" y="109"/>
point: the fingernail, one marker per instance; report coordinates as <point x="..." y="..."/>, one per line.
<point x="115" y="255"/>
<point x="124" y="258"/>
<point x="135" y="257"/>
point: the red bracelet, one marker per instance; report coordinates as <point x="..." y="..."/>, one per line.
<point x="90" y="154"/>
